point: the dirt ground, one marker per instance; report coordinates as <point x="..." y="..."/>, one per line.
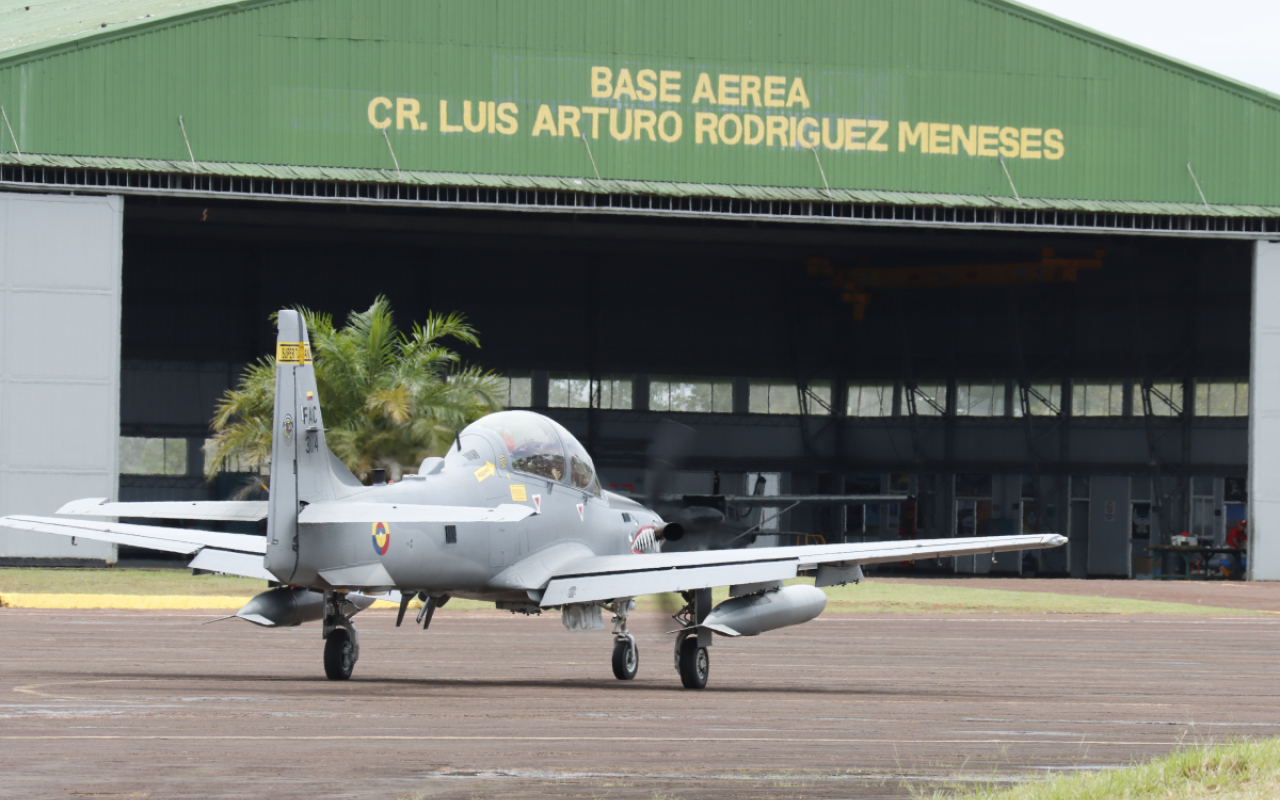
<point x="152" y="704"/>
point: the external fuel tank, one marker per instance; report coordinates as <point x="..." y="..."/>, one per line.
<point x="757" y="613"/>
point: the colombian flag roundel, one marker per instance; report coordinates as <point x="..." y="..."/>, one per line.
<point x="381" y="537"/>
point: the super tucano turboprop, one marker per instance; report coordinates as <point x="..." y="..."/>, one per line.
<point x="513" y="514"/>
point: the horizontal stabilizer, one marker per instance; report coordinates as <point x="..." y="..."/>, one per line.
<point x="409" y="512"/>
<point x="365" y="576"/>
<point x="248" y="565"/>
<point x="172" y="540"/>
<point x="216" y="510"/>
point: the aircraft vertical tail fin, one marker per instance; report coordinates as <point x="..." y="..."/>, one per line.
<point x="302" y="468"/>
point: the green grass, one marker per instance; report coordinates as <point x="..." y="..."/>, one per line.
<point x="873" y="597"/>
<point x="1236" y="771"/>
<point x="870" y="597"/>
<point x="24" y="580"/>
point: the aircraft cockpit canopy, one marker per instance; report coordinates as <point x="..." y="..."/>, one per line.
<point x="582" y="473"/>
<point x="537" y="446"/>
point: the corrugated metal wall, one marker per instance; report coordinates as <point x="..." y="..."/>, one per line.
<point x="292" y="82"/>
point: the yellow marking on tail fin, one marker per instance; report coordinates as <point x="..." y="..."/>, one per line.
<point x="293" y="352"/>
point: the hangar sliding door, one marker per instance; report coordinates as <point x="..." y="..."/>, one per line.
<point x="59" y="363"/>
<point x="1264" y="416"/>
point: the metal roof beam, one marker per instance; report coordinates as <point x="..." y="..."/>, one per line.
<point x="105" y="180"/>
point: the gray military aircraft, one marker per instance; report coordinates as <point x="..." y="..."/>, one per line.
<point x="513" y="514"/>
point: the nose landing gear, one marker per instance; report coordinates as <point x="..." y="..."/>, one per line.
<point x="626" y="653"/>
<point x="626" y="657"/>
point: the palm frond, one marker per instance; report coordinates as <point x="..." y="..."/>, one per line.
<point x="389" y="399"/>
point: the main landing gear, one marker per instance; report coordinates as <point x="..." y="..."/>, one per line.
<point x="341" y="645"/>
<point x="626" y="653"/>
<point x="692" y="661"/>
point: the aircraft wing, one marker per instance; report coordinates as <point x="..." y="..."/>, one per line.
<point x="609" y="577"/>
<point x="232" y="553"/>
<point x="773" y="501"/>
<point x="217" y="510"/>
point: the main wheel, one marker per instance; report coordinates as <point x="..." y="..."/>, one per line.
<point x="339" y="655"/>
<point x="626" y="659"/>
<point x="695" y="665"/>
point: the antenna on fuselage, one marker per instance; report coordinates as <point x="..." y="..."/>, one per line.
<point x="458" y="438"/>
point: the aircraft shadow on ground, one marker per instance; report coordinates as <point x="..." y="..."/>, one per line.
<point x="369" y="681"/>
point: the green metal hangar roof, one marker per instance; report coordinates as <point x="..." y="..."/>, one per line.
<point x="960" y="113"/>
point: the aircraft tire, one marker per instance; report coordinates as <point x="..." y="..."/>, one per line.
<point x="695" y="664"/>
<point x="339" y="652"/>
<point x="626" y="659"/>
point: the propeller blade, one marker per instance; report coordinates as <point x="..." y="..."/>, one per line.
<point x="670" y="445"/>
<point x="669" y="603"/>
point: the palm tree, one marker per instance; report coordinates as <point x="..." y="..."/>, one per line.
<point x="390" y="399"/>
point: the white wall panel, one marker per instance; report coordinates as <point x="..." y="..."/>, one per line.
<point x="1264" y="416"/>
<point x="38" y="345"/>
<point x="63" y="243"/>
<point x="59" y="362"/>
<point x="58" y="425"/>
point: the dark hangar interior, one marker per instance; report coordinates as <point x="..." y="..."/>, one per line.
<point x="976" y="362"/>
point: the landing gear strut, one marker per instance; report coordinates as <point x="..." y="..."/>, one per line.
<point x="626" y="653"/>
<point x="341" y="646"/>
<point x="692" y="661"/>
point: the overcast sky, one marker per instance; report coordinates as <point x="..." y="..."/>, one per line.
<point x="1236" y="38"/>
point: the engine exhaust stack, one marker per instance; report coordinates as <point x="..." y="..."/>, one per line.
<point x="670" y="532"/>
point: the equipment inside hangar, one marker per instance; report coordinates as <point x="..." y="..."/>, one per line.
<point x="1041" y="345"/>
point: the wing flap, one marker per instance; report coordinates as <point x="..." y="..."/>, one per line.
<point x="912" y="549"/>
<point x="154" y="537"/>
<point x="408" y="512"/>
<point x="609" y="577"/>
<point x="587" y="587"/>
<point x="214" y="510"/>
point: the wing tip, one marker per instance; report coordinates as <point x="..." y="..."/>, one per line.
<point x="81" y="507"/>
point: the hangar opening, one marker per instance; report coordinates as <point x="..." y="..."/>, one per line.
<point x="1067" y="335"/>
<point x="1004" y="381"/>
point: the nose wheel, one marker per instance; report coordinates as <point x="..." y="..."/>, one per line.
<point x="626" y="657"/>
<point x="626" y="654"/>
